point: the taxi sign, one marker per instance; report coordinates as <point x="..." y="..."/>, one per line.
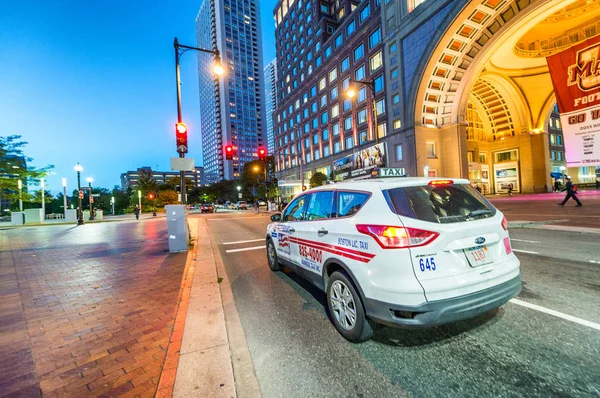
<point x="390" y="172"/>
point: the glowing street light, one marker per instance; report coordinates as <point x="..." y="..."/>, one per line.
<point x="64" y="184"/>
<point x="78" y="168"/>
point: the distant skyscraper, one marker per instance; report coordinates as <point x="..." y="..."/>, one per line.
<point x="232" y="108"/>
<point x="271" y="101"/>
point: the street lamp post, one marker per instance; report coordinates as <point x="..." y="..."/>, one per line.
<point x="64" y="184"/>
<point x="43" y="200"/>
<point x="217" y="69"/>
<point x="20" y="185"/>
<point x="140" y="200"/>
<point x="90" y="180"/>
<point x="79" y="169"/>
<point x="351" y="93"/>
<point x="112" y="202"/>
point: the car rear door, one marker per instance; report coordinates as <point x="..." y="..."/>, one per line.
<point x="469" y="252"/>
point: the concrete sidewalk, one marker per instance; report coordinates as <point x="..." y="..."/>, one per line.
<point x="213" y="359"/>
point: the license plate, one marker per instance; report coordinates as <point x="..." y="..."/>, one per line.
<point x="478" y="256"/>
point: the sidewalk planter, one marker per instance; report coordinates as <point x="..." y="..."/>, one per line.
<point x="99" y="215"/>
<point x="86" y="215"/>
<point x="34" y="216"/>
<point x="17" y="218"/>
<point x="71" y="215"/>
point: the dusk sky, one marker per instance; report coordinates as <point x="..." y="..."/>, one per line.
<point x="94" y="82"/>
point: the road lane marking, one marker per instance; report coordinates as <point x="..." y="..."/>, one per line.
<point x="567" y="317"/>
<point x="524" y="251"/>
<point x="244" y="241"/>
<point x="245" y="249"/>
<point x="523" y="240"/>
<point x="593" y="261"/>
<point x="233" y="218"/>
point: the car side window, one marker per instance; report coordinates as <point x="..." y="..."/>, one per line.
<point x="295" y="210"/>
<point x="320" y="206"/>
<point x="349" y="203"/>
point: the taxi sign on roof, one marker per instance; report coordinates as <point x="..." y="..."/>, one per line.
<point x="390" y="172"/>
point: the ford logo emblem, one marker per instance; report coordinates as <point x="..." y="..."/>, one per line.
<point x="480" y="240"/>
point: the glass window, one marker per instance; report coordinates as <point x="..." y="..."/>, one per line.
<point x="326" y="151"/>
<point x="376" y="61"/>
<point x="379" y="84"/>
<point x="322" y="84"/>
<point x="361" y="116"/>
<point x="324" y="8"/>
<point x="349" y="203"/>
<point x="327" y="51"/>
<point x="335" y="111"/>
<point x="316" y="139"/>
<point x="396" y="98"/>
<point x="552" y="139"/>
<point x="295" y="210"/>
<point x="308" y="158"/>
<point x="394" y="73"/>
<point x="307" y="143"/>
<point x="375" y="38"/>
<point x="441" y="204"/>
<point x="346" y="84"/>
<point x="559" y="140"/>
<point x="313" y="107"/>
<point x="349" y="142"/>
<point x="362" y="137"/>
<point x="347" y="104"/>
<point x="345" y="64"/>
<point x="318" y="61"/>
<point x="348" y="123"/>
<point x="398" y="152"/>
<point x="359" y="52"/>
<point x="382" y="130"/>
<point x="393" y="47"/>
<point x="380" y="106"/>
<point x="332" y="75"/>
<point x="324" y="101"/>
<point x="336" y="129"/>
<point x="361" y="95"/>
<point x="350" y="28"/>
<point x="364" y="13"/>
<point x="325" y="135"/>
<point x="315" y="123"/>
<point x="336" y="147"/>
<point x="339" y="40"/>
<point x="334" y="93"/>
<point x="360" y="73"/>
<point x="316" y="154"/>
<point x="324" y="118"/>
<point x="430" y="149"/>
<point x="313" y="91"/>
<point x="397" y="124"/>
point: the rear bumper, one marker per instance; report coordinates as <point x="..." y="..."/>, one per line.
<point x="443" y="311"/>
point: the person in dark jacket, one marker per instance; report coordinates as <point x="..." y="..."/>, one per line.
<point x="571" y="193"/>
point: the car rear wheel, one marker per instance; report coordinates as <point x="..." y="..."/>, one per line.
<point x="346" y="309"/>
<point x="272" y="257"/>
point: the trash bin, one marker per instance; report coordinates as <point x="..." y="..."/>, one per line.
<point x="17" y="218"/>
<point x="177" y="228"/>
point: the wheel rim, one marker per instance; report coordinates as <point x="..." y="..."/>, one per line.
<point x="343" y="305"/>
<point x="271" y="254"/>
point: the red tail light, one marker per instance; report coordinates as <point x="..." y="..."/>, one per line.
<point x="441" y="182"/>
<point x="504" y="223"/>
<point x="390" y="237"/>
<point x="507" y="247"/>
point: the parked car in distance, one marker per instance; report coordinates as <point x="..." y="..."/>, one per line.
<point x="207" y="208"/>
<point x="241" y="205"/>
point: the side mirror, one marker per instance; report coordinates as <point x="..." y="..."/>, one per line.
<point x="276" y="217"/>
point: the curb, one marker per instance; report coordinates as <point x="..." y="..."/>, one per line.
<point x="549" y="226"/>
<point x="169" y="370"/>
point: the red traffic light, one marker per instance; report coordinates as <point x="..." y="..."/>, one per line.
<point x="229" y="152"/>
<point x="181" y="128"/>
<point x="262" y="153"/>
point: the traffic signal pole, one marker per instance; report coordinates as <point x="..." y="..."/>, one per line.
<point x="179" y="119"/>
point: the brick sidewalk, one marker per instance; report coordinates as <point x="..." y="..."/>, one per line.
<point x="86" y="310"/>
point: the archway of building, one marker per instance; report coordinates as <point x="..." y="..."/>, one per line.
<point x="485" y="98"/>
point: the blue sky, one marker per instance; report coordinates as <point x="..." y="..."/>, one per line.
<point x="94" y="82"/>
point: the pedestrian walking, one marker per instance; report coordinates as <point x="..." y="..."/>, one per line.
<point x="556" y="185"/>
<point x="571" y="193"/>
<point x="256" y="207"/>
<point x="510" y="189"/>
<point x="136" y="211"/>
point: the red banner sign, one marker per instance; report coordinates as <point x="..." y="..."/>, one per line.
<point x="575" y="75"/>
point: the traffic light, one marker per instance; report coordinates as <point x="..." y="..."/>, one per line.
<point x="303" y="188"/>
<point x="229" y="152"/>
<point x="150" y="196"/>
<point x="262" y="153"/>
<point x="181" y="134"/>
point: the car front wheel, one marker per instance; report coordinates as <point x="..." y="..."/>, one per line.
<point x="272" y="257"/>
<point x="346" y="309"/>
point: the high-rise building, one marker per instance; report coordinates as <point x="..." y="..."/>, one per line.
<point x="231" y="106"/>
<point x="271" y="101"/>
<point x="130" y="178"/>
<point x="323" y="48"/>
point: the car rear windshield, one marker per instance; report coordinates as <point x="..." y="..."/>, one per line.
<point x="440" y="204"/>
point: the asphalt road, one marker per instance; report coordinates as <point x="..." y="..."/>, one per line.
<point x="512" y="351"/>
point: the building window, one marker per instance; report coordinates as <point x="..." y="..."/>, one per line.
<point x="345" y="64"/>
<point x="313" y="91"/>
<point x="375" y="38"/>
<point x="318" y="61"/>
<point x="398" y="152"/>
<point x="376" y="61"/>
<point x="332" y="75"/>
<point x="324" y="8"/>
<point x="313" y="107"/>
<point x="361" y="116"/>
<point x="362" y="137"/>
<point x="308" y="158"/>
<point x="361" y="96"/>
<point x="348" y="123"/>
<point x="382" y="130"/>
<point x="322" y="84"/>
<point x="336" y="147"/>
<point x="482" y="158"/>
<point x="365" y="12"/>
<point x="349" y="143"/>
<point x="307" y="143"/>
<point x="345" y="84"/>
<point x="323" y="101"/>
<point x="507" y="156"/>
<point x="335" y="111"/>
<point x="325" y="135"/>
<point x="336" y="129"/>
<point x="350" y="28"/>
<point x="347" y="104"/>
<point x="315" y="139"/>
<point x="315" y="123"/>
<point x="334" y="93"/>
<point x="326" y="151"/>
<point x="327" y="51"/>
<point x="397" y="124"/>
<point x="396" y="98"/>
<point x="360" y="73"/>
<point x="316" y="155"/>
<point x="324" y="118"/>
<point x="379" y="81"/>
<point x="394" y="73"/>
<point x="559" y="140"/>
<point x="393" y="47"/>
<point x="339" y="40"/>
<point x="431" y="149"/>
<point x="359" y="52"/>
<point x="380" y="106"/>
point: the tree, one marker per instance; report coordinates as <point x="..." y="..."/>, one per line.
<point x="317" y="179"/>
<point x="13" y="167"/>
<point x="164" y="198"/>
<point x="146" y="183"/>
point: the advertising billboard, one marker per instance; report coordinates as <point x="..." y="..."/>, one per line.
<point x="360" y="163"/>
<point x="506" y="177"/>
<point x="575" y="75"/>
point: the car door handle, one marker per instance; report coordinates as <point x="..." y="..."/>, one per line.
<point x="323" y="231"/>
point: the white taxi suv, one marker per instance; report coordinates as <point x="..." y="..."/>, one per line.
<point x="407" y="252"/>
